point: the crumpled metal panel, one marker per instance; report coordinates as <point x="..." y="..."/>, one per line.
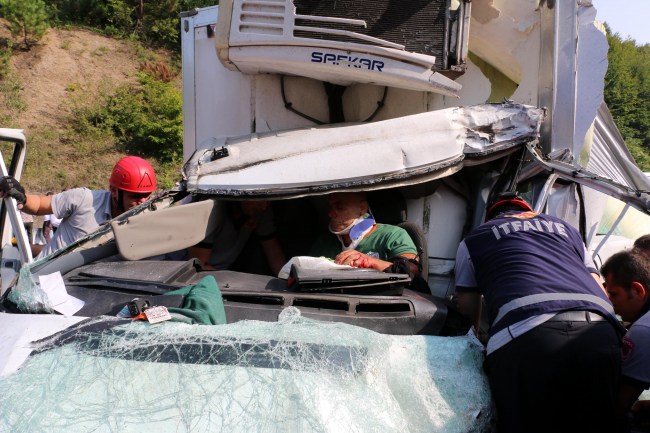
<point x="379" y="152"/>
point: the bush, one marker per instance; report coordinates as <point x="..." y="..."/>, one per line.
<point x="10" y="102"/>
<point x="27" y="19"/>
<point x="154" y="22"/>
<point x="145" y="119"/>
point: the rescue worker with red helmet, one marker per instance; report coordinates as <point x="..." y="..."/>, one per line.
<point x="82" y="210"/>
<point x="131" y="183"/>
<point x="553" y="349"/>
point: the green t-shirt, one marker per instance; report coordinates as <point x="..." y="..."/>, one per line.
<point x="384" y="243"/>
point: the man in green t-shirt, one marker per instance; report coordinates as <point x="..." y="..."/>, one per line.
<point x="356" y="240"/>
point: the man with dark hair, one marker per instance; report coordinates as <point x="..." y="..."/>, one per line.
<point x="237" y="224"/>
<point x="643" y="244"/>
<point x="553" y="345"/>
<point x="82" y="210"/>
<point x="627" y="280"/>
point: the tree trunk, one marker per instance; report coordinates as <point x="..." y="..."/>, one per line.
<point x="24" y="26"/>
<point x="139" y="13"/>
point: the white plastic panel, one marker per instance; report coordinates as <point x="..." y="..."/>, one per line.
<point x="341" y="66"/>
<point x="407" y="147"/>
<point x="216" y="101"/>
<point x="439" y="215"/>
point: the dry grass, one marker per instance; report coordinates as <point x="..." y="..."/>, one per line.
<point x="159" y="70"/>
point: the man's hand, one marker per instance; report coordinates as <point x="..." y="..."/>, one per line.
<point x="10" y="187"/>
<point x="355" y="259"/>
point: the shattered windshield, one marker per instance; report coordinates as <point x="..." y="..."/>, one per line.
<point x="294" y="375"/>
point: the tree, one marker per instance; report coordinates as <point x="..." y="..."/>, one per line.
<point x="627" y="93"/>
<point x="27" y="19"/>
<point x="153" y="22"/>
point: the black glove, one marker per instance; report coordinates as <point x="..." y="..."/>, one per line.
<point x="11" y="188"/>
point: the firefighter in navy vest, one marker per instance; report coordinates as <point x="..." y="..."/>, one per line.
<point x="553" y="349"/>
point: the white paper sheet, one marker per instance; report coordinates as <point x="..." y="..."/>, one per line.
<point x="54" y="287"/>
<point x="317" y="263"/>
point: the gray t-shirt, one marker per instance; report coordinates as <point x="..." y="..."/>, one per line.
<point x="228" y="241"/>
<point x="81" y="211"/>
<point x="636" y="351"/>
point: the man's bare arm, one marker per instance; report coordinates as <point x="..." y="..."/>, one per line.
<point x="359" y="260"/>
<point x="38" y="204"/>
<point x="627" y="396"/>
<point x="201" y="253"/>
<point x="274" y="254"/>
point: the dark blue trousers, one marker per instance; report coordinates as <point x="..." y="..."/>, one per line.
<point x="558" y="377"/>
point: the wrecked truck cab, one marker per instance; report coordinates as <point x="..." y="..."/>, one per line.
<point x="422" y="175"/>
<point x="289" y="101"/>
<point x="302" y="360"/>
<point x="287" y="357"/>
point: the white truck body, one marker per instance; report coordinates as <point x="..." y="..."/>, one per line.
<point x="258" y="123"/>
<point x="235" y="92"/>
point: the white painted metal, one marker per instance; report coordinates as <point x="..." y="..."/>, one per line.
<point x="640" y="199"/>
<point x="578" y="50"/>
<point x="546" y="189"/>
<point x="260" y="39"/>
<point x="438" y="214"/>
<point x="16" y="137"/>
<point x="463" y="26"/>
<point x="341" y="153"/>
<point x="328" y="154"/>
<point x="208" y="107"/>
<point x="17" y="331"/>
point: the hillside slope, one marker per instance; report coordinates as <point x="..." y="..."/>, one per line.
<point x="64" y="62"/>
<point x="69" y="69"/>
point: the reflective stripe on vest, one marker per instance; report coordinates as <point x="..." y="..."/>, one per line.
<point x="544" y="297"/>
<point x="506" y="335"/>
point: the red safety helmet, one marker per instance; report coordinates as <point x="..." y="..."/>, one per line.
<point x="133" y="174"/>
<point x="506" y="201"/>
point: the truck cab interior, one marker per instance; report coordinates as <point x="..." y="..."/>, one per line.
<point x="135" y="258"/>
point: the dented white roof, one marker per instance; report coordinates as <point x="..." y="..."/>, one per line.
<point x="401" y="148"/>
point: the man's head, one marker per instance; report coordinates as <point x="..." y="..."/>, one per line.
<point x="642" y="244"/>
<point x="506" y="201"/>
<point x="627" y="281"/>
<point x="254" y="207"/>
<point x="344" y="208"/>
<point x="131" y="183"/>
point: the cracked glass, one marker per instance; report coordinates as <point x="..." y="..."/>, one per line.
<point x="295" y="375"/>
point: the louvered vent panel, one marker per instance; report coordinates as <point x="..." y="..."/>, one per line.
<point x="420" y="25"/>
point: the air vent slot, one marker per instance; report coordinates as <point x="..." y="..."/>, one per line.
<point x="252" y="299"/>
<point x="322" y="304"/>
<point x="396" y="307"/>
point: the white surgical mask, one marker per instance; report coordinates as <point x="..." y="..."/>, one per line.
<point x="347" y="229"/>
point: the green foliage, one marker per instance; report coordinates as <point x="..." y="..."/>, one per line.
<point x="154" y="22"/>
<point x="148" y="120"/>
<point x="10" y="101"/>
<point x="627" y="94"/>
<point x="28" y="19"/>
<point x="145" y="119"/>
